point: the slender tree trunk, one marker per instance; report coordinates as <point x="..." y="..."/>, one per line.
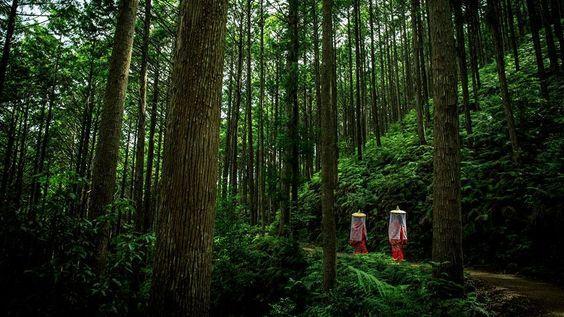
<point x="447" y="231"/>
<point x="107" y="148"/>
<point x="513" y="38"/>
<point x="7" y="44"/>
<point x="148" y="210"/>
<point x="462" y="66"/>
<point x="556" y="8"/>
<point x="417" y="41"/>
<point x="250" y="151"/>
<point x="549" y="35"/>
<point x="261" y="179"/>
<point x="317" y="83"/>
<point x="534" y="22"/>
<point x="375" y="114"/>
<point x="493" y="21"/>
<point x="358" y="56"/>
<point x="328" y="148"/>
<point x="140" y="223"/>
<point x="235" y="112"/>
<point x="183" y="254"/>
<point x="291" y="164"/>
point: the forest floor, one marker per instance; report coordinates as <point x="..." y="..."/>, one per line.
<point x="513" y="295"/>
<point x="507" y="294"/>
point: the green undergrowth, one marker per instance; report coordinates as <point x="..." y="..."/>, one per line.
<point x="511" y="211"/>
<point x="257" y="274"/>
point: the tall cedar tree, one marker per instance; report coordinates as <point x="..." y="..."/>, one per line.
<point x="447" y="233"/>
<point x="462" y="65"/>
<point x="328" y="135"/>
<point x="107" y="148"/>
<point x="183" y="254"/>
<point x="534" y="23"/>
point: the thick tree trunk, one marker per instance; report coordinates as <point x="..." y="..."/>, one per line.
<point x="493" y="21"/>
<point x="107" y="148"/>
<point x="447" y="232"/>
<point x="328" y="148"/>
<point x="183" y="254"/>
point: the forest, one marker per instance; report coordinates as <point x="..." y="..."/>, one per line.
<point x="282" y="158"/>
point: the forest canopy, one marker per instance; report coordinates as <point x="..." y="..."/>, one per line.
<point x="204" y="157"/>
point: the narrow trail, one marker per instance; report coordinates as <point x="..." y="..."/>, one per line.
<point x="547" y="296"/>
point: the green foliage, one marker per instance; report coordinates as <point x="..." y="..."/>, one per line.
<point x="512" y="212"/>
<point x="374" y="285"/>
<point x="47" y="262"/>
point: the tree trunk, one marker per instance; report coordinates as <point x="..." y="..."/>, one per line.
<point x="147" y="202"/>
<point x="513" y="38"/>
<point x="358" y="56"/>
<point x="375" y="114"/>
<point x="261" y="180"/>
<point x="328" y="148"/>
<point x="183" y="254"/>
<point x="140" y="222"/>
<point x="107" y="148"/>
<point x="417" y="42"/>
<point x="462" y="66"/>
<point x="493" y="21"/>
<point x="534" y="23"/>
<point x="250" y="151"/>
<point x="317" y="84"/>
<point x="7" y="44"/>
<point x="447" y="232"/>
<point x="549" y="35"/>
<point x="291" y="164"/>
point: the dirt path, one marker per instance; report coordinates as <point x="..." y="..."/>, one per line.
<point x="547" y="296"/>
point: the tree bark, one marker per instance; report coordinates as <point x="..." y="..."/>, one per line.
<point x="183" y="254"/>
<point x="328" y="148"/>
<point x="447" y="232"/>
<point x="107" y="148"/>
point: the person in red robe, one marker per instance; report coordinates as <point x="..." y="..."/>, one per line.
<point x="357" y="238"/>
<point x="397" y="233"/>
